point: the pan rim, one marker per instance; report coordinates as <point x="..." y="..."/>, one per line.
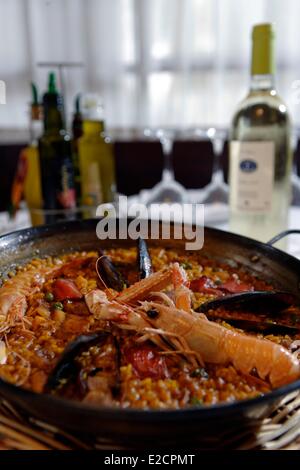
<point x="215" y="410"/>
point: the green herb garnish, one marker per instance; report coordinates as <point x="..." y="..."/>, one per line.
<point x="58" y="306"/>
<point x="200" y="372"/>
<point x="196" y="402"/>
<point x="186" y="265"/>
<point x="49" y="296"/>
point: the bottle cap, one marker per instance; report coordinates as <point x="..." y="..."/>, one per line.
<point x="91" y="105"/>
<point x="263" y="36"/>
<point x="35" y="107"/>
<point x="52" y="83"/>
<point x="52" y="97"/>
<point x="261" y="30"/>
<point x="34" y="93"/>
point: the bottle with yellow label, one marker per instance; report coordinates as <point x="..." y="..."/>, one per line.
<point x="28" y="178"/>
<point x="260" y="149"/>
<point x="32" y="187"/>
<point x="96" y="160"/>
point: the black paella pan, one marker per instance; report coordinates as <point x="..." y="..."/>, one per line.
<point x="129" y="425"/>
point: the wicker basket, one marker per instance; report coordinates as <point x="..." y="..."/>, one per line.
<point x="281" y="430"/>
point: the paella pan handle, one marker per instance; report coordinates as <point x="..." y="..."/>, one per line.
<point x="282" y="235"/>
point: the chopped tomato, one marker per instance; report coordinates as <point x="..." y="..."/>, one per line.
<point x="233" y="286"/>
<point x="65" y="289"/>
<point x="205" y="285"/>
<point x="146" y="362"/>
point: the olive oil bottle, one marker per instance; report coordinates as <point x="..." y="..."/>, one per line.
<point x="58" y="186"/>
<point x="27" y="181"/>
<point x="260" y="149"/>
<point x="33" y="188"/>
<point x="96" y="160"/>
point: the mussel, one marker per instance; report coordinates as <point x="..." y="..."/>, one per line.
<point x="254" y="301"/>
<point x="144" y="260"/>
<point x="109" y="274"/>
<point x="66" y="367"/>
<point x="258" y="309"/>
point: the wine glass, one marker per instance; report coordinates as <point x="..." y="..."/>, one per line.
<point x="217" y="190"/>
<point x="168" y="190"/>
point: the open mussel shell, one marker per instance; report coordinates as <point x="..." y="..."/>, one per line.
<point x="257" y="310"/>
<point x="144" y="260"/>
<point x="65" y="367"/>
<point x="254" y="301"/>
<point x="109" y="274"/>
<point x="282" y="323"/>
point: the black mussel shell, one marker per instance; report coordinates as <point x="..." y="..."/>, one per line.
<point x="109" y="274"/>
<point x="65" y="367"/>
<point x="144" y="260"/>
<point x="254" y="301"/>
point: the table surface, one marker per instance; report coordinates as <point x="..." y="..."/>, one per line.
<point x="293" y="247"/>
<point x="215" y="215"/>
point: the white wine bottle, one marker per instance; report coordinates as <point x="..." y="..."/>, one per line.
<point x="260" y="157"/>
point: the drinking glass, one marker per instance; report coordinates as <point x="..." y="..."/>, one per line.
<point x="168" y="190"/>
<point x="217" y="190"/>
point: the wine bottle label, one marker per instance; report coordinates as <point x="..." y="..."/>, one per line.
<point x="251" y="176"/>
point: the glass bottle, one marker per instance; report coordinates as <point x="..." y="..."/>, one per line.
<point x="27" y="180"/>
<point x="77" y="131"/>
<point x="96" y="160"/>
<point x="58" y="186"/>
<point x="260" y="149"/>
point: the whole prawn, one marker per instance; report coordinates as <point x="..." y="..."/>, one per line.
<point x="14" y="293"/>
<point x="186" y="329"/>
<point x="219" y="345"/>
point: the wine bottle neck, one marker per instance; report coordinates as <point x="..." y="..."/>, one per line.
<point x="262" y="83"/>
<point x="53" y="120"/>
<point x="53" y="112"/>
<point x="263" y="59"/>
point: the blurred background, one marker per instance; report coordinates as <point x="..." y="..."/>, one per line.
<point x="178" y="63"/>
<point x="160" y="66"/>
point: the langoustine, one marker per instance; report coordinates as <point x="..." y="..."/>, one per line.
<point x="209" y="341"/>
<point x="14" y="293"/>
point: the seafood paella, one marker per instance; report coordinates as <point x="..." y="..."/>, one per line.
<point x="138" y="328"/>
